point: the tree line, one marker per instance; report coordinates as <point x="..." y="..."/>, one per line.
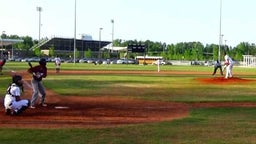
<point x="192" y="50"/>
<point x="179" y="51"/>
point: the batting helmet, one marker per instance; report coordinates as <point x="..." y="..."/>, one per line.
<point x="42" y="62"/>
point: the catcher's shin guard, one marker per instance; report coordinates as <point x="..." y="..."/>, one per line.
<point x="28" y="103"/>
<point x="8" y="112"/>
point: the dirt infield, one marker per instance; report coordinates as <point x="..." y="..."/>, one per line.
<point x="99" y="112"/>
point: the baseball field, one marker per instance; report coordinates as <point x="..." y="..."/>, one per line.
<point x="134" y="104"/>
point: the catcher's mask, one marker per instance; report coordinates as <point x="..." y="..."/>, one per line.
<point x="42" y="62"/>
<point x="17" y="80"/>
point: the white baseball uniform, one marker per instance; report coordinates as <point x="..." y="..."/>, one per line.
<point x="10" y="100"/>
<point x="57" y="64"/>
<point x="229" y="67"/>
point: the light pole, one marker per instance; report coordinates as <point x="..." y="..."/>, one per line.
<point x="220" y="36"/>
<point x="225" y="44"/>
<point x="75" y="34"/>
<point x="112" y="21"/>
<point x="100" y="29"/>
<point x="221" y="42"/>
<point x="39" y="9"/>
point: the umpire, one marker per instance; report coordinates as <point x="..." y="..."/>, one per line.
<point x="217" y="66"/>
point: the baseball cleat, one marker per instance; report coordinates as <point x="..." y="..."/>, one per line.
<point x="32" y="107"/>
<point x="43" y="105"/>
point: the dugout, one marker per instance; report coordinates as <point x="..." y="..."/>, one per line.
<point x="5" y="52"/>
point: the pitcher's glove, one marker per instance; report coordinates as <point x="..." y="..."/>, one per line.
<point x="226" y="63"/>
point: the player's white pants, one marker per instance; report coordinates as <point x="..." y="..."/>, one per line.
<point x="9" y="103"/>
<point x="17" y="105"/>
<point x="229" y="70"/>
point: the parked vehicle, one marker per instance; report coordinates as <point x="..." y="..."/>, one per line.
<point x="83" y="60"/>
<point x="161" y="62"/>
<point x="196" y="63"/>
<point x="90" y="61"/>
<point x="132" y="61"/>
<point x="122" y="61"/>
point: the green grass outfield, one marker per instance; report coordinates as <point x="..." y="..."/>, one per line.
<point x="204" y="125"/>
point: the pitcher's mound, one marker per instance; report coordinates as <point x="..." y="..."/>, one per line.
<point x="222" y="80"/>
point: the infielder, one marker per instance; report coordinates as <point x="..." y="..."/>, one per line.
<point x="228" y="65"/>
<point x="39" y="72"/>
<point x="57" y="64"/>
<point x="12" y="101"/>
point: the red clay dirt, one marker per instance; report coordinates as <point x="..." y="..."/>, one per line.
<point x="222" y="80"/>
<point x="100" y="112"/>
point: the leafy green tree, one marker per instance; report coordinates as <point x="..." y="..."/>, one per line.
<point x="106" y="54"/>
<point x="38" y="52"/>
<point x="51" y="51"/>
<point x="88" y="53"/>
<point x="240" y="50"/>
<point x="178" y="51"/>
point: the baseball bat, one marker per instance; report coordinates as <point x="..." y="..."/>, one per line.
<point x="29" y="63"/>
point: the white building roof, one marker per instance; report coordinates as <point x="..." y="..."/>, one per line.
<point x="5" y="42"/>
<point x="115" y="48"/>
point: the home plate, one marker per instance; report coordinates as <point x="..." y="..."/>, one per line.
<point x="61" y="107"/>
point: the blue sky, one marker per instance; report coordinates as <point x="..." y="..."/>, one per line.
<point x="169" y="21"/>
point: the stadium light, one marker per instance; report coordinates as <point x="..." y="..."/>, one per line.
<point x="75" y="34"/>
<point x="99" y="53"/>
<point x="100" y="29"/>
<point x="39" y="9"/>
<point x="112" y="21"/>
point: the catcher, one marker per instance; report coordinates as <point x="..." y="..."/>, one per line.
<point x="38" y="73"/>
<point x="12" y="101"/>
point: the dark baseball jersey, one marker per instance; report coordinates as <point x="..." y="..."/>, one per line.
<point x="38" y="72"/>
